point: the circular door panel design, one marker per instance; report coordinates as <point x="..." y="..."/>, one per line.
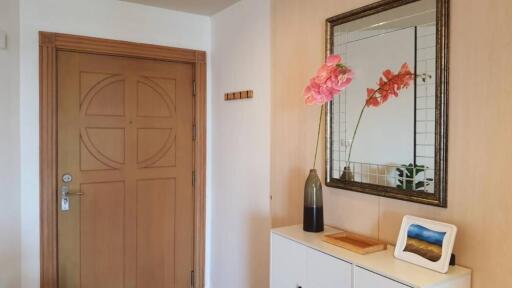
<point x="106" y="98"/>
<point x="106" y="145"/>
<point x="105" y="128"/>
<point x="156" y="148"/>
<point x="154" y="97"/>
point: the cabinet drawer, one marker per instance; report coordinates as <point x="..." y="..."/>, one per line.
<point x="326" y="271"/>
<point x="295" y="265"/>
<point x="366" y="279"/>
<point x="288" y="263"/>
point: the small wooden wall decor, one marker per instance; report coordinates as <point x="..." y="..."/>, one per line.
<point x="238" y="95"/>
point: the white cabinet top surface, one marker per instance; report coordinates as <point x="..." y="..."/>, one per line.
<point x="383" y="263"/>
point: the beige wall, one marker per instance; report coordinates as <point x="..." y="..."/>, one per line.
<point x="480" y="133"/>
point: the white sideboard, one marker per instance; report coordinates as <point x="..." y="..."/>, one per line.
<point x="302" y="260"/>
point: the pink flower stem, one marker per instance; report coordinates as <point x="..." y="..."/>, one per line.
<point x="318" y="134"/>
<point x="357" y="125"/>
<point x="355" y="131"/>
<point x="361" y="116"/>
<point x="362" y="112"/>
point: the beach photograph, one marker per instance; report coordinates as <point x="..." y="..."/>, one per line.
<point x="425" y="242"/>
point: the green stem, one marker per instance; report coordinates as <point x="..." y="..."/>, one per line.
<point x="359" y="121"/>
<point x="374" y="95"/>
<point x="355" y="131"/>
<point x="318" y="135"/>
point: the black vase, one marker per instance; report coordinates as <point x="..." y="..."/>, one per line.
<point x="313" y="204"/>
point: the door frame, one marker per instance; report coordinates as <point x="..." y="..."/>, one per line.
<point x="49" y="44"/>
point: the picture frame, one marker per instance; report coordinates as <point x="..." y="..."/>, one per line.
<point x="426" y="243"/>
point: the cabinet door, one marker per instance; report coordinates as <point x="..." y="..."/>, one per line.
<point x="366" y="279"/>
<point x="288" y="263"/>
<point x="326" y="271"/>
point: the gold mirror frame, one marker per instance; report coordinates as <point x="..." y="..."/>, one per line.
<point x="439" y="197"/>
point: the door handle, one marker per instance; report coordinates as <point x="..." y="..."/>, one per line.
<point x="65" y="193"/>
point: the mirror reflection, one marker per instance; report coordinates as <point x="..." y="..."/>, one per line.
<point x="395" y="141"/>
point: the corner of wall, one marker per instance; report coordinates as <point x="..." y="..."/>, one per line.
<point x="10" y="248"/>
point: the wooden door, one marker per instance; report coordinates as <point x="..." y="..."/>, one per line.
<point x="125" y="135"/>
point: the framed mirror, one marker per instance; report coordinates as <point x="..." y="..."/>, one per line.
<point x="400" y="148"/>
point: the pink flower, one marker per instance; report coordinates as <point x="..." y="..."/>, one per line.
<point x="333" y="60"/>
<point x="389" y="86"/>
<point x="371" y="100"/>
<point x="330" y="79"/>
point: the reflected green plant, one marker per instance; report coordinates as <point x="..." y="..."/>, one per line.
<point x="407" y="177"/>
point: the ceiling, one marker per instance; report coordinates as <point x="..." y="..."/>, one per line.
<point x="203" y="7"/>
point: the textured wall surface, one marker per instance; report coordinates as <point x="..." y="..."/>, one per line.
<point x="479" y="193"/>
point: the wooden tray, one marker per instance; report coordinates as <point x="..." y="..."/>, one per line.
<point x="355" y="243"/>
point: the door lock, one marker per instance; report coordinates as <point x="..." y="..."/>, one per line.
<point x="65" y="192"/>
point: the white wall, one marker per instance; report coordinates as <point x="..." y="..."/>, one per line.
<point x="240" y="199"/>
<point x="9" y="148"/>
<point x="100" y="18"/>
